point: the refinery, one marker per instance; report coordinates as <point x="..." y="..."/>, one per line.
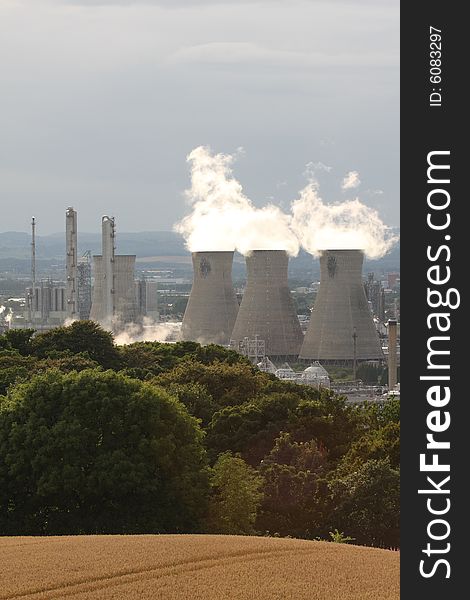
<point x="348" y="325"/>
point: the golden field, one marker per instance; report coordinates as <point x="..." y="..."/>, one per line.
<point x="193" y="567"/>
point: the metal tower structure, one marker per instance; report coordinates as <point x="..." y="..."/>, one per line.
<point x="71" y="263"/>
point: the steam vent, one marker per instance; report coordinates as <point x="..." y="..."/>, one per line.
<point x="341" y="317"/>
<point x="212" y="307"/>
<point x="267" y="309"/>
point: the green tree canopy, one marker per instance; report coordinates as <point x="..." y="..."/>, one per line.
<point x="236" y="496"/>
<point x="19" y="339"/>
<point x="96" y="452"/>
<point x="228" y="384"/>
<point x="79" y="337"/>
<point x="365" y="503"/>
<point x="292" y="471"/>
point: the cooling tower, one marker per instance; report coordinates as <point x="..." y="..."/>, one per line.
<point x="267" y="309"/>
<point x="340" y="310"/>
<point x="212" y="306"/>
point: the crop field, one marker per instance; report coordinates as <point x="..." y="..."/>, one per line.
<point x="196" y="567"/>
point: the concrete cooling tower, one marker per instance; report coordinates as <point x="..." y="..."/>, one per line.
<point x="267" y="310"/>
<point x="341" y="326"/>
<point x="212" y="306"/>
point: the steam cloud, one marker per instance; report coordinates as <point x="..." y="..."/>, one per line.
<point x="351" y="181"/>
<point x="150" y="331"/>
<point x="342" y="226"/>
<point x="223" y="218"/>
<point x="147" y="331"/>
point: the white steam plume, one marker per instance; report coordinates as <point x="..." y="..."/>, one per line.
<point x="351" y="181"/>
<point x="150" y="331"/>
<point x="147" y="331"/>
<point x="223" y="218"/>
<point x="342" y="226"/>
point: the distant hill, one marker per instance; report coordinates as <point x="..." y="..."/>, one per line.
<point x="146" y="243"/>
<point x="15" y="251"/>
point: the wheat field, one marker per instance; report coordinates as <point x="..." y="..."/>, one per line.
<point x="193" y="567"/>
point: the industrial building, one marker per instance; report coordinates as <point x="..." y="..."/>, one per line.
<point x="375" y="294"/>
<point x="46" y="300"/>
<point x="46" y="304"/>
<point x="341" y="328"/>
<point x="114" y="298"/>
<point x="212" y="306"/>
<point x="84" y="286"/>
<point x="267" y="312"/>
<point x="147" y="299"/>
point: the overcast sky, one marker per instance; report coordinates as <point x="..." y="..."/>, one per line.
<point x="101" y="101"/>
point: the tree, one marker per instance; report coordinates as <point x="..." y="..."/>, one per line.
<point x="366" y="503"/>
<point x="20" y="340"/>
<point x="236" y="496"/>
<point x="197" y="400"/>
<point x="291" y="472"/>
<point x="228" y="384"/>
<point x="14" y="367"/>
<point x="382" y="443"/>
<point x="250" y="428"/>
<point x="97" y="452"/>
<point x="79" y="337"/>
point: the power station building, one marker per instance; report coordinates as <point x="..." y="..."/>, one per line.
<point x="114" y="289"/>
<point x="212" y="306"/>
<point x="267" y="312"/>
<point x="147" y="299"/>
<point x="341" y="328"/>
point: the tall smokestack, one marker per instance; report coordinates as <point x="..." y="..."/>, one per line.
<point x="212" y="306"/>
<point x="341" y="326"/>
<point x="107" y="266"/>
<point x="71" y="263"/>
<point x="114" y="288"/>
<point x="267" y="310"/>
<point x="392" y="354"/>
<point x="33" y="252"/>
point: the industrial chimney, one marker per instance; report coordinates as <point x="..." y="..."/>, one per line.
<point x="392" y="354"/>
<point x="267" y="312"/>
<point x="71" y="264"/>
<point x="212" y="306"/>
<point x="341" y="326"/>
<point x="114" y="288"/>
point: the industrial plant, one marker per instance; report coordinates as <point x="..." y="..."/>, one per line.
<point x="106" y="292"/>
<point x="349" y="323"/>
